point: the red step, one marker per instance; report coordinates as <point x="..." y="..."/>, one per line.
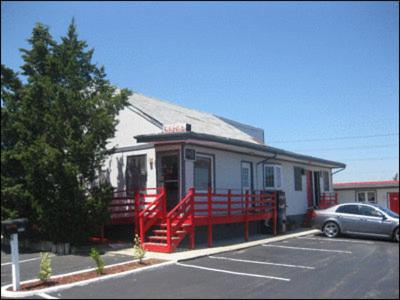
<point x="164" y="225"/>
<point x="162" y="238"/>
<point x="163" y="232"/>
<point x="157" y="247"/>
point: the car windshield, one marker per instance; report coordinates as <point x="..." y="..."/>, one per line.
<point x="388" y="211"/>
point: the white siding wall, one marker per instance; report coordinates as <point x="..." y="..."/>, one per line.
<point x="130" y="124"/>
<point x="346" y="196"/>
<point x="297" y="200"/>
<point x="227" y="167"/>
<point x="228" y="175"/>
<point x="116" y="165"/>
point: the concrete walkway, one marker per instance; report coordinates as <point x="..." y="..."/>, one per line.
<point x="190" y="254"/>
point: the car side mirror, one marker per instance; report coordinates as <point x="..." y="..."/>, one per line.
<point x="384" y="217"/>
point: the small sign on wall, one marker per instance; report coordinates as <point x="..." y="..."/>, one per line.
<point x="190" y="154"/>
<point x="177" y="127"/>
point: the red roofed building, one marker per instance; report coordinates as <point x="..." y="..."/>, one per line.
<point x="384" y="193"/>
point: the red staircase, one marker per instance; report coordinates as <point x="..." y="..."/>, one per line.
<point x="170" y="229"/>
<point x="163" y="232"/>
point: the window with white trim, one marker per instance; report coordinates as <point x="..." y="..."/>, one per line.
<point x="203" y="172"/>
<point x="366" y="196"/>
<point x="272" y="176"/>
<point x="298" y="183"/>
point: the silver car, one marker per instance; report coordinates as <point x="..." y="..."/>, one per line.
<point x="357" y="218"/>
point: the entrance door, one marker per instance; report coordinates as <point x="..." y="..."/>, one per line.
<point x="246" y="177"/>
<point x="169" y="177"/>
<point x="394" y="202"/>
<point x="135" y="173"/>
<point x="317" y="188"/>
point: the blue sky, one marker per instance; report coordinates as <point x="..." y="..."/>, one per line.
<point x="300" y="71"/>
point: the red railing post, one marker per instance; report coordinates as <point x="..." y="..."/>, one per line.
<point x="275" y="208"/>
<point x="246" y="222"/>
<point x="229" y="202"/>
<point x="137" y="210"/>
<point x="193" y="228"/>
<point x="210" y="242"/>
<point x="141" y="220"/>
<point x="169" y="234"/>
<point x="164" y="201"/>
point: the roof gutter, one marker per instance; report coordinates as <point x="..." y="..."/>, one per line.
<point x="165" y="137"/>
<point x="340" y="170"/>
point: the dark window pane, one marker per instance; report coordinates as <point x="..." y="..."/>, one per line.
<point x="269" y="177"/>
<point x="326" y="180"/>
<point x="245" y="177"/>
<point x="202" y="173"/>
<point x="361" y="197"/>
<point x="348" y="209"/>
<point x="371" y="197"/>
<point x="135" y="173"/>
<point x="297" y="179"/>
<point x="369" y="211"/>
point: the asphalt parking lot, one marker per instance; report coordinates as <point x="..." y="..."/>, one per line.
<point x="305" y="267"/>
<point x="29" y="264"/>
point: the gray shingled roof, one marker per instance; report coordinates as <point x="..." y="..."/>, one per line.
<point x="166" y="113"/>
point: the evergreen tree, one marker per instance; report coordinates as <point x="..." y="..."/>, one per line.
<point x="55" y="129"/>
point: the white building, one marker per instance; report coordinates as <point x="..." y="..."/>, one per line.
<point x="158" y="143"/>
<point x="384" y="193"/>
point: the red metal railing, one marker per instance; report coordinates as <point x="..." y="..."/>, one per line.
<point x="327" y="200"/>
<point x="122" y="207"/>
<point x="222" y="208"/>
<point x="152" y="212"/>
<point x="199" y="209"/>
<point x="182" y="214"/>
<point x="125" y="202"/>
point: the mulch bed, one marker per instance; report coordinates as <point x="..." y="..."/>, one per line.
<point x="35" y="285"/>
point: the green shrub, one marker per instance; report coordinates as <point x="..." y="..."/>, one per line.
<point x="45" y="267"/>
<point x="138" y="250"/>
<point x="95" y="255"/>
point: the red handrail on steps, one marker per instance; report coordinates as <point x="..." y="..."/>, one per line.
<point x="183" y="213"/>
<point x="151" y="213"/>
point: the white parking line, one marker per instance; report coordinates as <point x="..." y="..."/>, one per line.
<point x="26" y="260"/>
<point x="310" y="249"/>
<point x="231" y="272"/>
<point x="261" y="262"/>
<point x="335" y="240"/>
<point x="46" y="296"/>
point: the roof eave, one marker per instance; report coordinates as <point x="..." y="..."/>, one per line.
<point x="179" y="136"/>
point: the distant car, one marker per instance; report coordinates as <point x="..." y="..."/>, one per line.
<point x="357" y="218"/>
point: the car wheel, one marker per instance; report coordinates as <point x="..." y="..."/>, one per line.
<point x="331" y="229"/>
<point x="396" y="235"/>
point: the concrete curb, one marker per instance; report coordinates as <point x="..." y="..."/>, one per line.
<point x="12" y="294"/>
